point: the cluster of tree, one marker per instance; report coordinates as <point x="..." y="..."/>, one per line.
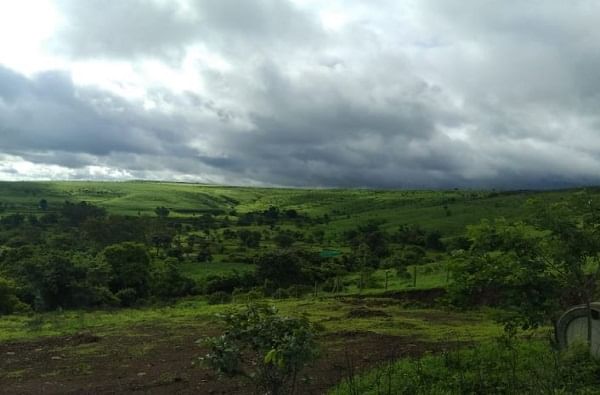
<point x="121" y="274"/>
<point x="532" y="269"/>
<point x="372" y="247"/>
<point x="281" y="273"/>
<point x="416" y="236"/>
<point x="274" y="215"/>
<point x="77" y="255"/>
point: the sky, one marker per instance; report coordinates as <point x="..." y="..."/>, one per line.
<point x="378" y="93"/>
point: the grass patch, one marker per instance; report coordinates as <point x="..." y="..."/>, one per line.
<point x="331" y="313"/>
<point x="516" y="367"/>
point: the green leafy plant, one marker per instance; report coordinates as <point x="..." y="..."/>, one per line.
<point x="263" y="346"/>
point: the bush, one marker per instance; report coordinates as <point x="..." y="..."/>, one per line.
<point x="127" y="297"/>
<point x="219" y="297"/>
<point x="9" y="303"/>
<point x="228" y="283"/>
<point x="298" y="290"/>
<point x="503" y="367"/>
<point x="281" y="293"/>
<point x="265" y="347"/>
<point x="167" y="281"/>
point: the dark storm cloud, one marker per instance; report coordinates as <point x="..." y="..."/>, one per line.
<point x="437" y="94"/>
<point x="48" y="119"/>
<point x="48" y="113"/>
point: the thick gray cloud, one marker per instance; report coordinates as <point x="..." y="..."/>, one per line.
<point x="126" y="29"/>
<point x="398" y="94"/>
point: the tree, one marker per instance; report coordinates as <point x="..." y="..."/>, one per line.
<point x="76" y="214"/>
<point x="371" y="236"/>
<point x="204" y="255"/>
<point x="161" y="240"/>
<point x="130" y="264"/>
<point x="55" y="280"/>
<point x="433" y="241"/>
<point x="572" y="251"/>
<point x="43" y="205"/>
<point x="8" y="299"/>
<point x="283" y="268"/>
<point x="533" y="269"/>
<point x="162" y="212"/>
<point x="250" y="238"/>
<point x="114" y="229"/>
<point x="265" y="347"/>
<point x="167" y="280"/>
<point x="284" y="239"/>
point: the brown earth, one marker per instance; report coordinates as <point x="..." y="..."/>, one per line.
<point x="156" y="360"/>
<point x="364" y="312"/>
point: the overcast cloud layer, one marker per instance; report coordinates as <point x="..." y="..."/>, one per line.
<point x="385" y="93"/>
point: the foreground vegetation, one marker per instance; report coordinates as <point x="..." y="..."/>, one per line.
<point x="502" y="367"/>
<point x="435" y="267"/>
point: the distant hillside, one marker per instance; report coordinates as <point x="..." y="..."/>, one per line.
<point x="448" y="211"/>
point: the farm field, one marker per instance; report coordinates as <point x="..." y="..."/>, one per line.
<point x="114" y="287"/>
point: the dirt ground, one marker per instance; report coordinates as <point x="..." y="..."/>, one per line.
<point x="160" y="361"/>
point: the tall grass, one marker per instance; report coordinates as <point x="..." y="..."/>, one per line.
<point x="499" y="367"/>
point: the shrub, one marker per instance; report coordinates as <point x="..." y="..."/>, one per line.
<point x="127" y="297"/>
<point x="503" y="367"/>
<point x="228" y="283"/>
<point x="219" y="297"/>
<point x="265" y="347"/>
<point x="281" y="293"/>
<point x="167" y="280"/>
<point x="298" y="290"/>
<point x="9" y="302"/>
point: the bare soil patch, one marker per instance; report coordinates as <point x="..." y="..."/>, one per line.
<point x="365" y="312"/>
<point x="159" y="361"/>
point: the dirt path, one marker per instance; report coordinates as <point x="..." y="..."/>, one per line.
<point x="159" y="361"/>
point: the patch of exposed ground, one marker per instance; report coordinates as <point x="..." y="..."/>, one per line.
<point x="157" y="360"/>
<point x="365" y="312"/>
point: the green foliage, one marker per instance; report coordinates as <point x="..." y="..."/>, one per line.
<point x="503" y="367"/>
<point x="250" y="238"/>
<point x="219" y="297"/>
<point x="105" y="231"/>
<point x="9" y="302"/>
<point x="55" y="280"/>
<point x="204" y="255"/>
<point x="284" y="239"/>
<point x="162" y="212"/>
<point x="76" y="213"/>
<point x="43" y="204"/>
<point x="282" y="267"/>
<point x="370" y="238"/>
<point x="12" y="220"/>
<point x="130" y="264"/>
<point x="167" y="280"/>
<point x="228" y="282"/>
<point x="263" y="346"/>
<point x="506" y="268"/>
